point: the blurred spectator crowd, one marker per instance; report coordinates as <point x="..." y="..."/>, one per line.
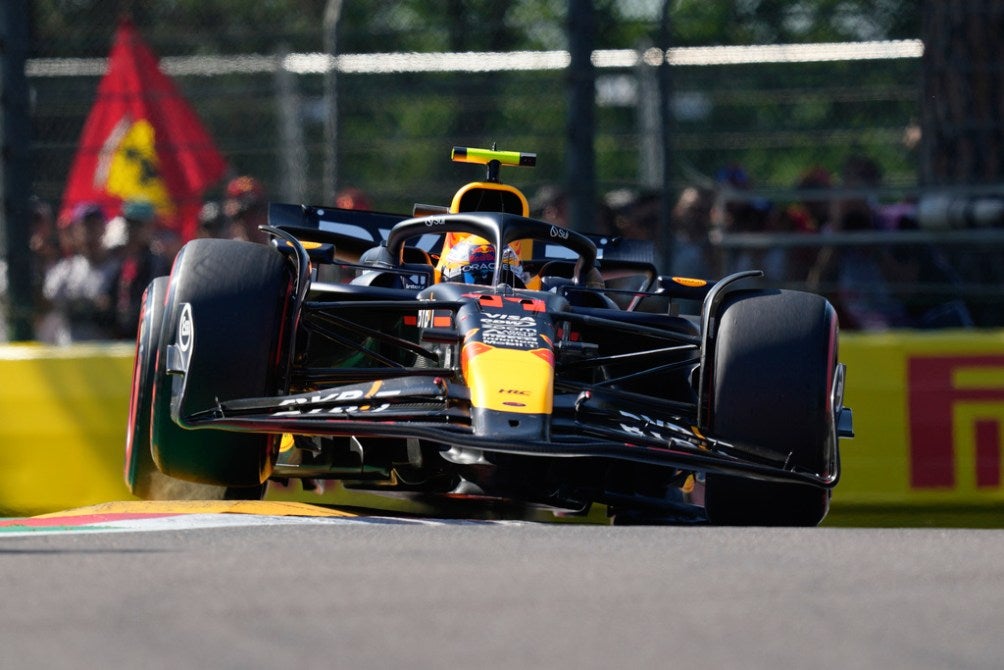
<point x="873" y="285"/>
<point x="90" y="270"/>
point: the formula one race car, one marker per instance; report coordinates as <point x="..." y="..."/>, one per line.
<point x="472" y="353"/>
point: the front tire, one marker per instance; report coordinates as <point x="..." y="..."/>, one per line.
<point x="773" y="362"/>
<point x="143" y="478"/>
<point x="236" y="292"/>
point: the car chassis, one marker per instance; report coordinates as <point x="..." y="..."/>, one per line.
<point x="374" y="381"/>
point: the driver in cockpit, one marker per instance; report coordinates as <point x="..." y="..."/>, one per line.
<point x="472" y="260"/>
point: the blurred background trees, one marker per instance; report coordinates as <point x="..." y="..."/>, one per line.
<point x="395" y="129"/>
<point x="747" y="131"/>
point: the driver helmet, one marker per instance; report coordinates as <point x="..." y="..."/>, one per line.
<point x="472" y="261"/>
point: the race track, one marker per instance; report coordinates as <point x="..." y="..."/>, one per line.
<point x="346" y="592"/>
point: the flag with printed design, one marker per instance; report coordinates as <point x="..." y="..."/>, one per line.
<point x="142" y="141"/>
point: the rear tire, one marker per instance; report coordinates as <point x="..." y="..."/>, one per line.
<point x="773" y="360"/>
<point x="237" y="292"/>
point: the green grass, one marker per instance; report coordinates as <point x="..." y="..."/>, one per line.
<point x="916" y="516"/>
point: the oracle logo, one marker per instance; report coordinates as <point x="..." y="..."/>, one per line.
<point x="955" y="407"/>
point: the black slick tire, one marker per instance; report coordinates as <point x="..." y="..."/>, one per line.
<point x="773" y="360"/>
<point x="236" y="294"/>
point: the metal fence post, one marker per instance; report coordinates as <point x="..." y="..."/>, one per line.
<point x="332" y="12"/>
<point x="15" y="167"/>
<point x="666" y="238"/>
<point x="580" y="153"/>
<point x="293" y="182"/>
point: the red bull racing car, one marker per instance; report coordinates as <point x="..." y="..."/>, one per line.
<point x="472" y="353"/>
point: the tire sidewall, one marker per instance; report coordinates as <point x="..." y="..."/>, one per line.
<point x="139" y="463"/>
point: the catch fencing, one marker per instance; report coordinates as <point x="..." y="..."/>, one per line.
<point x="769" y="113"/>
<point x="774" y="112"/>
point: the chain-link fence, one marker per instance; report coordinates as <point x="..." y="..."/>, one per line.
<point x="757" y="126"/>
<point x="396" y="128"/>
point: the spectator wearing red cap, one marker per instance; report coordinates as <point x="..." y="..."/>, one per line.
<point x="352" y="197"/>
<point x="246" y="208"/>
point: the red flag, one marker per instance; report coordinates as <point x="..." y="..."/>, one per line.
<point x="142" y="141"/>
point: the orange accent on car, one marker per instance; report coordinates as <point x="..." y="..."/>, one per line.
<point x="494" y="301"/>
<point x="545" y="354"/>
<point x="470" y="350"/>
<point x="531" y="304"/>
<point x="487" y="368"/>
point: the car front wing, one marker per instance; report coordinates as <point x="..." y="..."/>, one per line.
<point x="585" y="423"/>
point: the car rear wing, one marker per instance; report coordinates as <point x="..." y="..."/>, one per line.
<point x="351" y="230"/>
<point x="355" y="231"/>
<point x="626" y="264"/>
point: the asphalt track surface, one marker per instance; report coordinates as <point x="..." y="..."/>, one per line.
<point x="343" y="592"/>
